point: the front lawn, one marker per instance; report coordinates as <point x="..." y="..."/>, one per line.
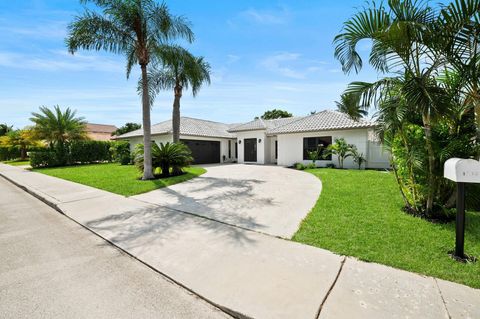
<point x="17" y="162"/>
<point x="359" y="214"/>
<point x="116" y="178"/>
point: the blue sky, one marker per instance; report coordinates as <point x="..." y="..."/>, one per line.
<point x="264" y="55"/>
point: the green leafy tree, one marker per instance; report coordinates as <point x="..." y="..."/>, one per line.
<point x="179" y="71"/>
<point x="4" y="129"/>
<point x="350" y="104"/>
<point x="341" y="149"/>
<point x="169" y="157"/>
<point x="135" y="29"/>
<point x="128" y="127"/>
<point x="275" y="114"/>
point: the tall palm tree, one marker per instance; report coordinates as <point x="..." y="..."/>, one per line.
<point x="134" y="28"/>
<point x="58" y="127"/>
<point x="350" y="104"/>
<point x="179" y="70"/>
<point x="408" y="45"/>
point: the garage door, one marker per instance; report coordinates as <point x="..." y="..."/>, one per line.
<point x="204" y="152"/>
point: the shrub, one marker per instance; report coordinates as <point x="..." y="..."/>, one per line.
<point x="330" y="165"/>
<point x="299" y="166"/>
<point x="121" y="152"/>
<point x="311" y="166"/>
<point x="44" y="159"/>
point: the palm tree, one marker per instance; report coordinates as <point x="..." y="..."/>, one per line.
<point x="179" y="70"/>
<point x="342" y="149"/>
<point x="407" y="44"/>
<point x="350" y="105"/>
<point x="460" y="25"/>
<point x="57" y="127"/>
<point x="166" y="156"/>
<point x="20" y="139"/>
<point x="134" y="28"/>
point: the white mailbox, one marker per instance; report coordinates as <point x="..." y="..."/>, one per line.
<point x="462" y="170"/>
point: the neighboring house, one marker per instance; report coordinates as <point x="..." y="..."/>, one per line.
<point x="282" y="141"/>
<point x="100" y="132"/>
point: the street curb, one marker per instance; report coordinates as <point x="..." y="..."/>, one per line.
<point x="228" y="311"/>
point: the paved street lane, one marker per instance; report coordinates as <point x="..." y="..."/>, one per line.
<point x="50" y="267"/>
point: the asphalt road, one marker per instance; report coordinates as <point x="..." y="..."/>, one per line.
<point x="50" y="267"/>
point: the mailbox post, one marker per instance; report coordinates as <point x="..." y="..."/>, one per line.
<point x="461" y="171"/>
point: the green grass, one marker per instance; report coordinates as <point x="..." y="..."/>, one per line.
<point x="116" y="178"/>
<point x="359" y="214"/>
<point x="17" y="162"/>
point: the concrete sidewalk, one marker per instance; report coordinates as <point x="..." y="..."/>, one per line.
<point x="248" y="273"/>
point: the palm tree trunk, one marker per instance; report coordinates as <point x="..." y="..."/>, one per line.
<point x="431" y="163"/>
<point x="176" y="114"/>
<point x="400" y="186"/>
<point x="147" y="139"/>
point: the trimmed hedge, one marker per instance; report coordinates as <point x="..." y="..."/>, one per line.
<point x="74" y="153"/>
<point x="13" y="153"/>
<point x="83" y="152"/>
<point x="9" y="153"/>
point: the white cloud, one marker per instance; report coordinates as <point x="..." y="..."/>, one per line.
<point x="265" y="17"/>
<point x="60" y="61"/>
<point x="276" y="64"/>
<point x="232" y="58"/>
<point x="292" y="65"/>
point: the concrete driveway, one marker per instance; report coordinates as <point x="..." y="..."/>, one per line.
<point x="267" y="199"/>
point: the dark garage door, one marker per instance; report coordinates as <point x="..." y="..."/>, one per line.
<point x="204" y="152"/>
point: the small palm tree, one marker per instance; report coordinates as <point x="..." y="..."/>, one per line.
<point x="179" y="70"/>
<point x="341" y="149"/>
<point x="134" y="28"/>
<point x="166" y="156"/>
<point x="358" y="157"/>
<point x="20" y="139"/>
<point x="350" y="105"/>
<point x="58" y="127"/>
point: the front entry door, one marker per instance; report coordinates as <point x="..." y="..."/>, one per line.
<point x="250" y="149"/>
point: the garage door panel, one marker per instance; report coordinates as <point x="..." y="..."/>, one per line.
<point x="203" y="151"/>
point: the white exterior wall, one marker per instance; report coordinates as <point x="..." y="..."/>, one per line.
<point x="271" y="151"/>
<point x="261" y="148"/>
<point x="290" y="148"/>
<point x="164" y="138"/>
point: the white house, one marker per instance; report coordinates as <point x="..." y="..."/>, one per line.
<point x="282" y="141"/>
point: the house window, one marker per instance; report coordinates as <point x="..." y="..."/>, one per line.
<point x="317" y="143"/>
<point x="229" y="149"/>
<point x="276" y="149"/>
<point x="236" y="149"/>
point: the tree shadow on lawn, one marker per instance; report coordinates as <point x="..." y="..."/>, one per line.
<point x="227" y="200"/>
<point x="150" y="227"/>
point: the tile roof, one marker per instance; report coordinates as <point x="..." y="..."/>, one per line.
<point x="100" y="128"/>
<point x="321" y="121"/>
<point x="188" y="126"/>
<point x="260" y="124"/>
